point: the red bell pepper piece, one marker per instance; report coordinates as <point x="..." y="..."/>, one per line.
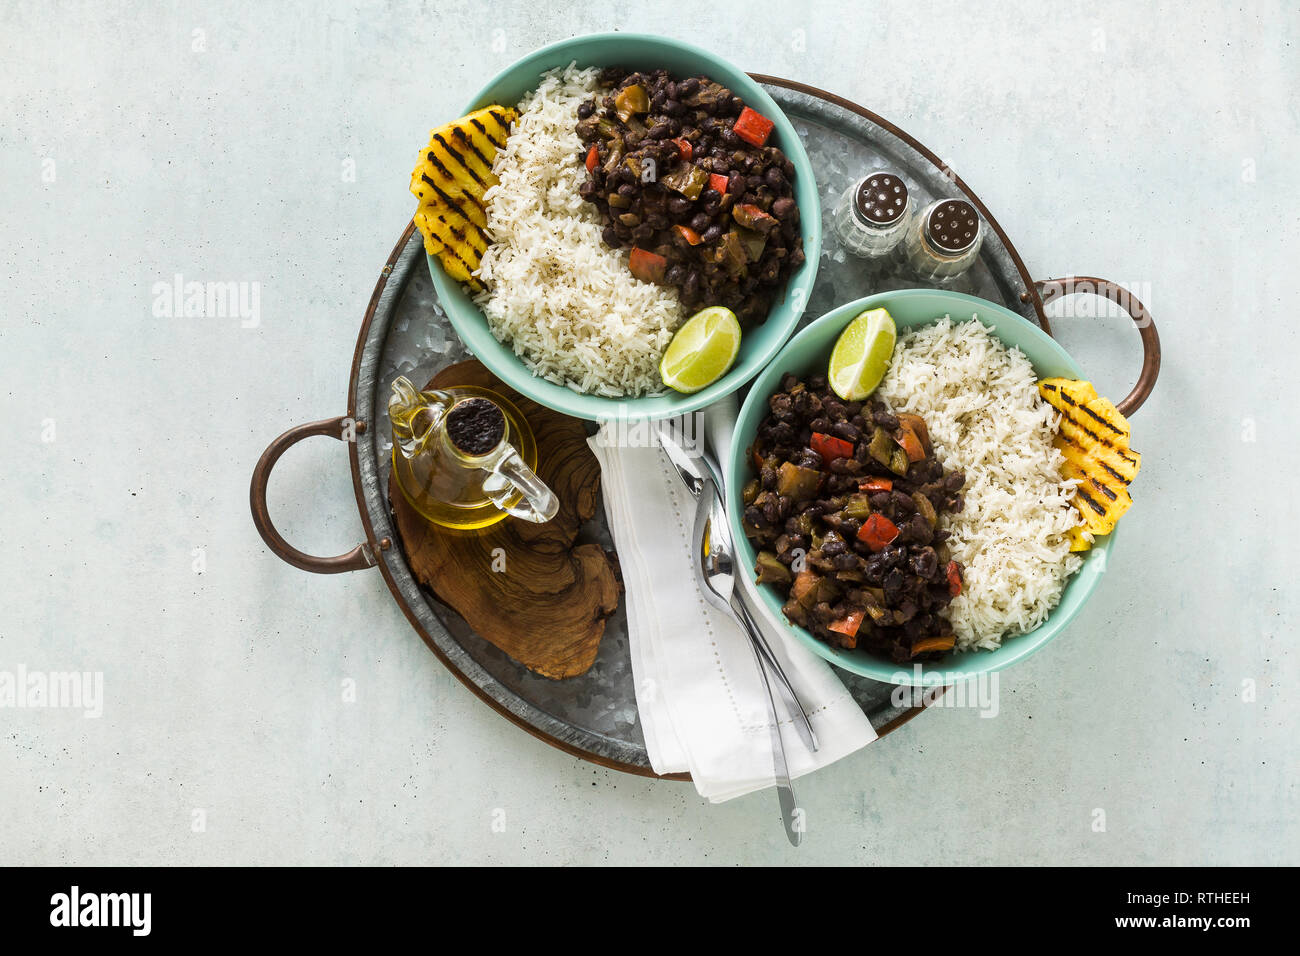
<point x="848" y="626"/>
<point x="803" y="583"/>
<point x="927" y="644"/>
<point x="593" y="158"/>
<point x="911" y="443"/>
<point x="877" y="484"/>
<point x="751" y="217"/>
<point x="877" y="531"/>
<point x="684" y="148"/>
<point x="719" y="183"/>
<point x="689" y="234"/>
<point x="647" y="266"/>
<point x="830" y="447"/>
<point x="753" y="128"/>
<point x="953" y="572"/>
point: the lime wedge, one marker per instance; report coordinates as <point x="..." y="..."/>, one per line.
<point x="861" y="355"/>
<point x="702" y="350"/>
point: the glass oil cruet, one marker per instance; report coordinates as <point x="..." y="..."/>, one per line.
<point x="464" y="457"/>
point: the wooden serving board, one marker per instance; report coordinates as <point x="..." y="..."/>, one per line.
<point x="526" y="588"/>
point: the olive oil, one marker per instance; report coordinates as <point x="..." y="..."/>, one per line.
<point x="464" y="457"/>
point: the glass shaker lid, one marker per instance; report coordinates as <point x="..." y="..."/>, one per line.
<point x="880" y="199"/>
<point x="953" y="225"/>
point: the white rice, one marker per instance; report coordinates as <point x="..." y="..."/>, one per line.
<point x="981" y="405"/>
<point x="563" y="300"/>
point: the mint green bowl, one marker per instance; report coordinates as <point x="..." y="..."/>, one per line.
<point x="808" y="354"/>
<point x="759" y="344"/>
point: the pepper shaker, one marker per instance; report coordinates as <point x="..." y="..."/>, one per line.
<point x="943" y="241"/>
<point x="872" y="215"/>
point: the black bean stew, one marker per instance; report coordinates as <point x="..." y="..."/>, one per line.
<point x="685" y="180"/>
<point x="845" y="513"/>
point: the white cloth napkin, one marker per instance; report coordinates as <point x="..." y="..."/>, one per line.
<point x="701" y="698"/>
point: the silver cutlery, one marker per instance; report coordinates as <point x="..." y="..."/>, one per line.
<point x="793" y="707"/>
<point x="715" y="567"/>
<point x="693" y="468"/>
<point x="696" y="471"/>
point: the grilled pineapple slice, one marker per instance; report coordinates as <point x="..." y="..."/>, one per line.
<point x="1080" y="539"/>
<point x="1101" y="416"/>
<point x="450" y="180"/>
<point x="1099" y="498"/>
<point x="1119" y="463"/>
<point x="1059" y="392"/>
<point x="1094" y="438"/>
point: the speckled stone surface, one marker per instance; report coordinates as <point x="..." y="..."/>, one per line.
<point x="252" y="713"/>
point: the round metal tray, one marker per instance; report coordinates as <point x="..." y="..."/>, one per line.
<point x="405" y="332"/>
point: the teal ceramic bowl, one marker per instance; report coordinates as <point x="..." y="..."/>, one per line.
<point x="759" y="344"/>
<point x="807" y="354"/>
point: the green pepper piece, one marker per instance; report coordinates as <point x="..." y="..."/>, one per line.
<point x="631" y="100"/>
<point x="770" y="570"/>
<point x="898" y="461"/>
<point x="858" y="507"/>
<point x="881" y="447"/>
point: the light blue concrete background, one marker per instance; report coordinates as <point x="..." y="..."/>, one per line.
<point x="1153" y="144"/>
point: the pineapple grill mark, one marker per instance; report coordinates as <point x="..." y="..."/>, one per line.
<point x="1102" y="420"/>
<point x="1091" y="413"/>
<point x="1123" y="454"/>
<point x="500" y="120"/>
<point x="460" y="160"/>
<point x="1113" y="473"/>
<point x="1091" y="502"/>
<point x="1099" y="462"/>
<point x="466" y="142"/>
<point x="455" y="205"/>
<point x="1103" y="488"/>
<point x="449" y="250"/>
<point x="1104" y="442"/>
<point x="458" y="234"/>
<point x="483" y="129"/>
<point x="1118" y="451"/>
<point x="1064" y="397"/>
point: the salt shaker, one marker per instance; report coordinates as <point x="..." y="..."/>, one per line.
<point x="872" y="215"/>
<point x="943" y="241"/>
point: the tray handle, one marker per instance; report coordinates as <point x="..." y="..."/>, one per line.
<point x="362" y="556"/>
<point x="1050" y="289"/>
